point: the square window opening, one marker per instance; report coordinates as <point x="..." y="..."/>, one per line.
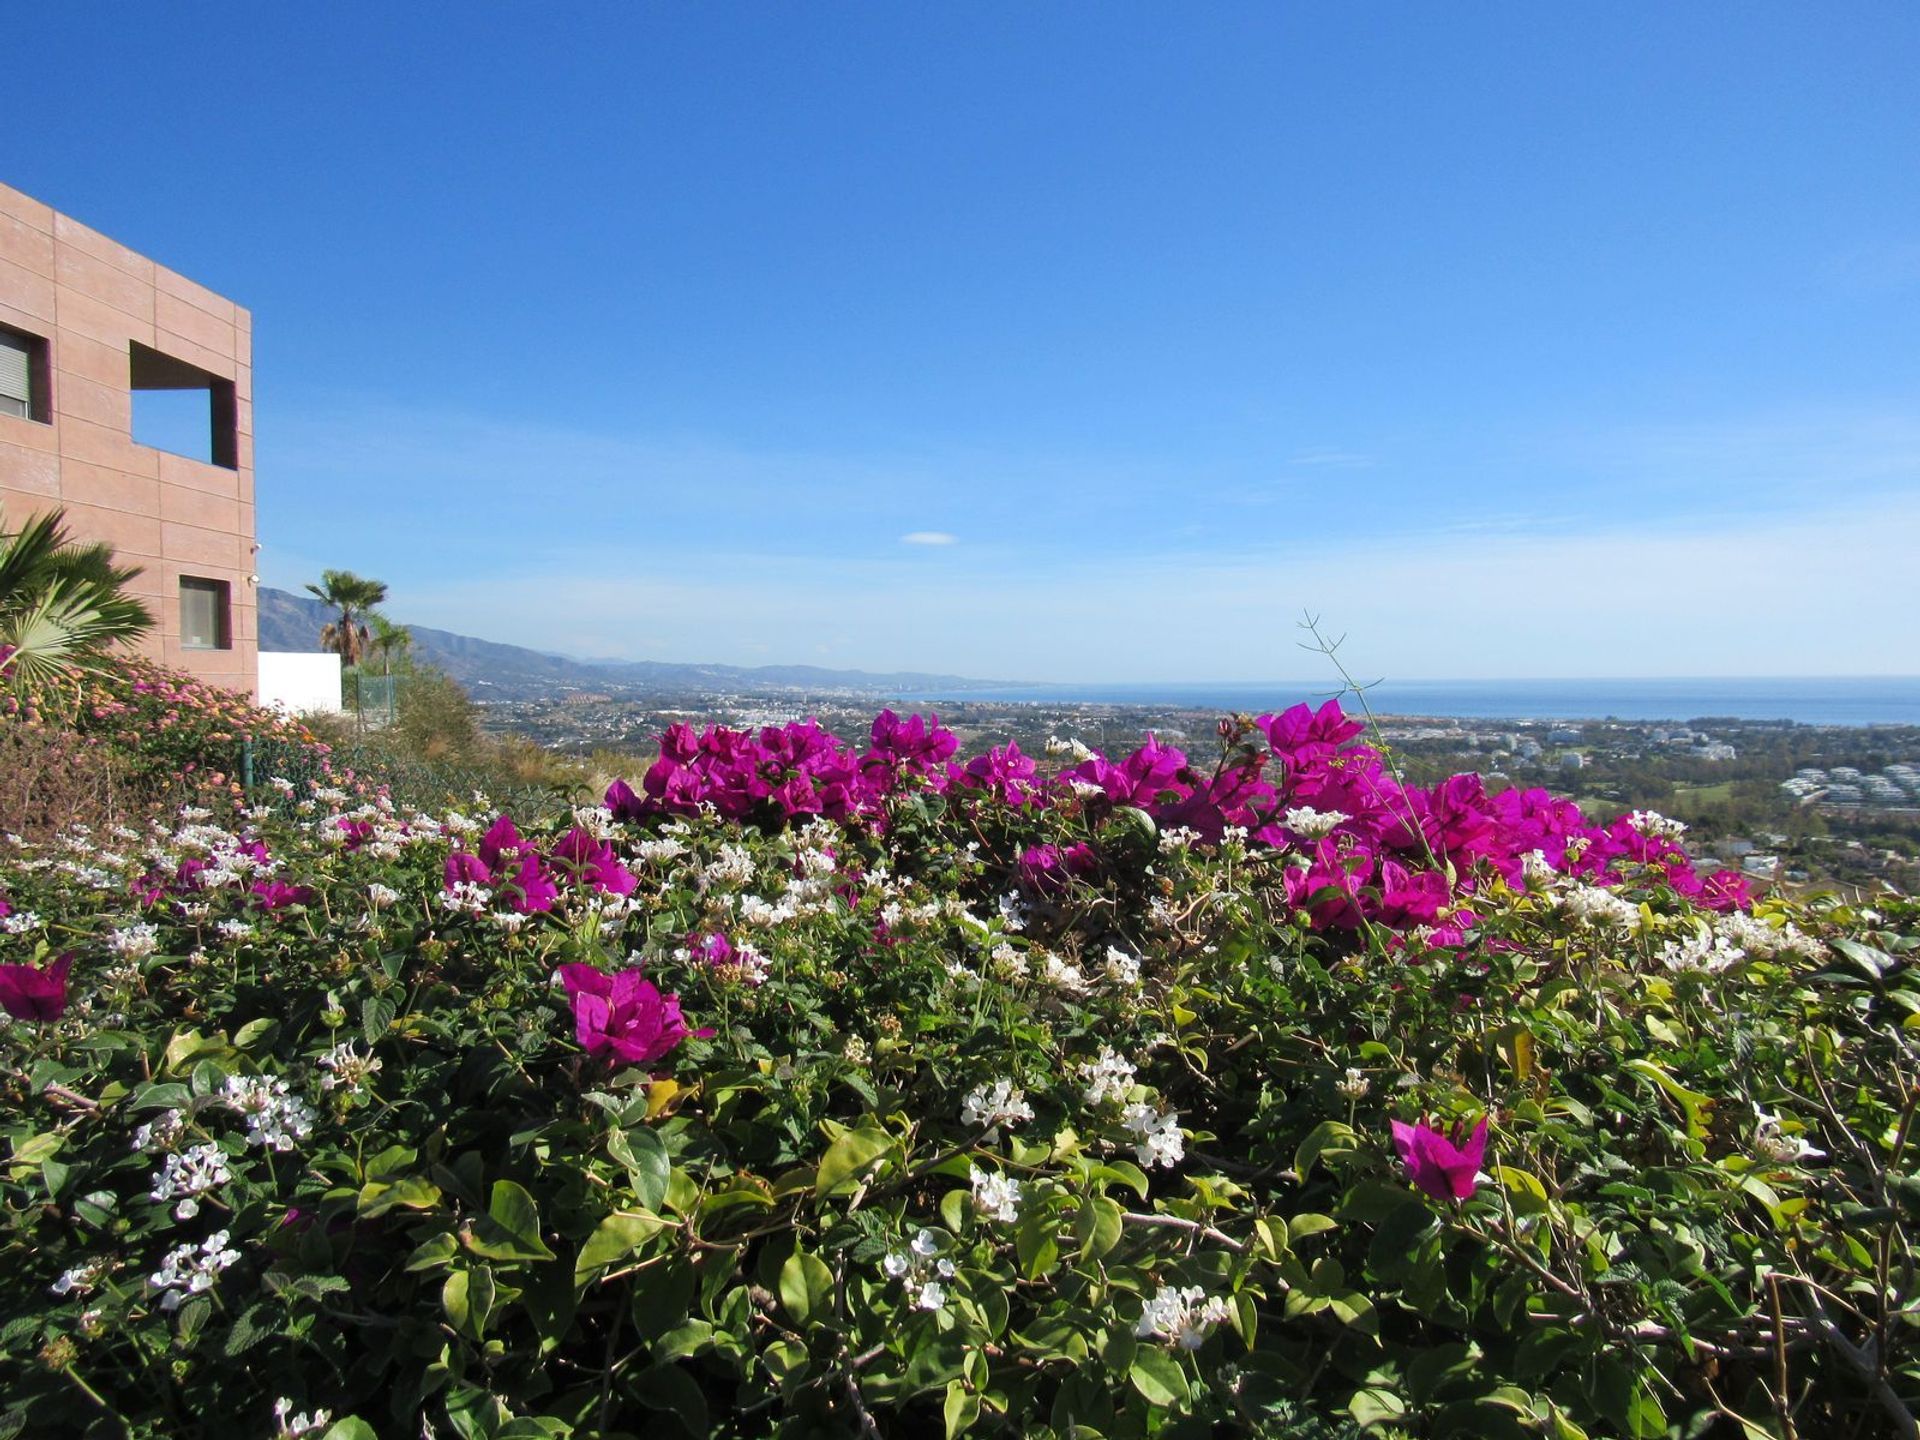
<point x="24" y="375"/>
<point x="206" y="614"/>
<point x="182" y="409"/>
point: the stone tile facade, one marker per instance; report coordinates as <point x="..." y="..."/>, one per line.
<point x="100" y="321"/>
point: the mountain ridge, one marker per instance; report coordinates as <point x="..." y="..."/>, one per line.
<point x="290" y="622"/>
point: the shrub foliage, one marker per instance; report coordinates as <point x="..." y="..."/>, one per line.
<point x="1143" y="1100"/>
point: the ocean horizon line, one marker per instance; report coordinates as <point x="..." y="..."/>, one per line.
<point x="1817" y="700"/>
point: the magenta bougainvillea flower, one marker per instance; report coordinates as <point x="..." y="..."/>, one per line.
<point x="1445" y="1168"/>
<point x="465" y="869"/>
<point x="276" y="894"/>
<point x="587" y="861"/>
<point x="624" y="1016"/>
<point x="27" y="993"/>
<point x="1403" y="857"/>
<point x="531" y="889"/>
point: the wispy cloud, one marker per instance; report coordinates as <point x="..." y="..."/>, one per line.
<point x="1740" y="546"/>
<point x="1774" y="596"/>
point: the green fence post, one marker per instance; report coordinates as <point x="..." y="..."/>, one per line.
<point x="246" y="763"/>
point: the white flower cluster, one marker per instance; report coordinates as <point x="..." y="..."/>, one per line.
<point x="467" y="898"/>
<point x="135" y="942"/>
<point x="994" y="1195"/>
<point x="161" y="1134"/>
<point x="1701" y="951"/>
<point x="1177" y="838"/>
<point x="659" y="851"/>
<point x="1122" y="967"/>
<point x="1181" y="1317"/>
<point x="1062" y="976"/>
<point x="454" y="823"/>
<point x="1536" y="871"/>
<point x="1014" y="912"/>
<point x="381" y="896"/>
<point x="1157" y="1137"/>
<point x="1655" y="826"/>
<point x="1776" y="1147"/>
<point x="20" y="922"/>
<point x="1075" y="749"/>
<point x="815" y="864"/>
<point x="1108" y="1079"/>
<point x="297" y="1425"/>
<point x="187" y="1271"/>
<point x="1311" y="824"/>
<point x="1598" y="908"/>
<point x="188" y="1175"/>
<point x="921" y="1268"/>
<point x="348" y="1069"/>
<point x="996" y="1104"/>
<point x="80" y="1280"/>
<point x="1008" y="963"/>
<point x="596" y="820"/>
<point x="1354" y="1086"/>
<point x="274" y="1117"/>
<point x="733" y="866"/>
<point x="1764" y="941"/>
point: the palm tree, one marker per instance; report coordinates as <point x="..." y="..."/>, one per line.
<point x="388" y="637"/>
<point x="62" y="601"/>
<point x="352" y="597"/>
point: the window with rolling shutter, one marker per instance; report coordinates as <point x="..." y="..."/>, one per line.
<point x="205" y="614"/>
<point x="16" y="374"/>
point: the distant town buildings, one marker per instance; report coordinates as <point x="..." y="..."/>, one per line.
<point x="1895" y="787"/>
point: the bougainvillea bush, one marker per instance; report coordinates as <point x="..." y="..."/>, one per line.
<point x="143" y="734"/>
<point x="810" y="1088"/>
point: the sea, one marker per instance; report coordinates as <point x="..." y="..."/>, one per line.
<point x="1822" y="700"/>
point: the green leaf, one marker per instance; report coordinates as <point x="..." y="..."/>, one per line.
<point x="249" y="1328"/>
<point x="806" y="1287"/>
<point x="1309" y="1223"/>
<point x="510" y="1230"/>
<point x="1375" y="1405"/>
<point x="1875" y="963"/>
<point x="474" y="1413"/>
<point x="1158" y="1377"/>
<point x="376" y="1014"/>
<point x="1097" y="1227"/>
<point x="1124" y="1171"/>
<point x="644" y="1155"/>
<point x="30" y="1153"/>
<point x="613" y="1240"/>
<point x="1034" y="1243"/>
<point x="351" y="1427"/>
<point x="261" y="1029"/>
<point x="1328" y="1140"/>
<point x="1692" y="1102"/>
<point x="849" y="1155"/>
<point x="961" y="1409"/>
<point x="433" y="1252"/>
<point x="468" y="1298"/>
<point x="379" y="1196"/>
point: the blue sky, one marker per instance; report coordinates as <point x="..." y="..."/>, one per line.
<point x="1053" y="341"/>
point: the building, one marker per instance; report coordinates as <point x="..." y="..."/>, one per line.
<point x="126" y="399"/>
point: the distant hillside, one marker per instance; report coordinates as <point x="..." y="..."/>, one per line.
<point x="292" y="622"/>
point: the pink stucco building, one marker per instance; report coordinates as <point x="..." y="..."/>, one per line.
<point x="89" y="330"/>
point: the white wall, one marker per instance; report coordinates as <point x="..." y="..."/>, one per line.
<point x="299" y="683"/>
